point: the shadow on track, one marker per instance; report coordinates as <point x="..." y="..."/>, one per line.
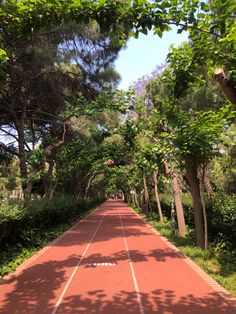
<point x="158" y="302"/>
<point x="33" y="290"/>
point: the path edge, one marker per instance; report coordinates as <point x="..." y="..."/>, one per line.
<point x="37" y="254"/>
<point x="214" y="285"/>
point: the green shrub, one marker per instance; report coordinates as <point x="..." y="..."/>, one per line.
<point x="11" y="209"/>
<point x="221" y="214"/>
<point x="221" y="217"/>
<point x="24" y="230"/>
<point x="11" y="212"/>
<point x="187" y="207"/>
<point x="19" y="224"/>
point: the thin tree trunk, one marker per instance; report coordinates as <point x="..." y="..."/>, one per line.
<point x="192" y="176"/>
<point x="136" y="198"/>
<point x="47" y="180"/>
<point x="28" y="191"/>
<point x="132" y="197"/>
<point x="146" y="198"/>
<point x="179" y="206"/>
<point x="227" y="89"/>
<point x="127" y="198"/>
<point x="20" y="125"/>
<point x="157" y="196"/>
<point x="30" y="185"/>
<point x="208" y="186"/>
<point x="52" y="190"/>
<point x="206" y="183"/>
<point x="202" y="180"/>
<point x="177" y="200"/>
<point x="33" y="133"/>
<point x="20" y="128"/>
<point x="50" y="153"/>
<point x="77" y="188"/>
<point x="89" y="184"/>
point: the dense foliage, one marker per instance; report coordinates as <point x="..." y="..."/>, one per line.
<point x="18" y="220"/>
<point x="23" y="230"/>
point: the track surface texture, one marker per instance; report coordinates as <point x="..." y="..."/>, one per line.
<point x="112" y="262"/>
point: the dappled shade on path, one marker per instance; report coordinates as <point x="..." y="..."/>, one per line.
<point x="111" y="262"/>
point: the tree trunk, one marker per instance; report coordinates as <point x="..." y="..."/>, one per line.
<point x="52" y="190"/>
<point x="204" y="214"/>
<point x="227" y="89"/>
<point x="28" y="191"/>
<point x="89" y="184"/>
<point x="206" y="183"/>
<point x="78" y="196"/>
<point x="127" y="198"/>
<point x="20" y="128"/>
<point x="20" y="125"/>
<point x="47" y="180"/>
<point x="77" y="188"/>
<point x="136" y="198"/>
<point x="50" y="153"/>
<point x="177" y="200"/>
<point x="157" y="196"/>
<point x="33" y="133"/>
<point x="29" y="187"/>
<point x="133" y="200"/>
<point x="192" y="176"/>
<point x="202" y="177"/>
<point x="146" y="199"/>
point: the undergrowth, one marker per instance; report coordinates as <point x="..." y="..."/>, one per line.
<point x="14" y="253"/>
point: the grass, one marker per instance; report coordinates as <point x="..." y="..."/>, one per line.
<point x="14" y="255"/>
<point x="221" y="266"/>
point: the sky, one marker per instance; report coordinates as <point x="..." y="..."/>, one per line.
<point x="142" y="55"/>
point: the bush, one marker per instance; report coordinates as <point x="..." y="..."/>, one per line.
<point x="221" y="217"/>
<point x="11" y="209"/>
<point x="11" y="212"/>
<point x="18" y="224"/>
<point x="221" y="213"/>
<point x="187" y="207"/>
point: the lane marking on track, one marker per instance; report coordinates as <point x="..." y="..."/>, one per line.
<point x="215" y="286"/>
<point x="75" y="270"/>
<point x="139" y="299"/>
<point x="101" y="264"/>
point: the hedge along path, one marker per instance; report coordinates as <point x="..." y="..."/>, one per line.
<point x="112" y="262"/>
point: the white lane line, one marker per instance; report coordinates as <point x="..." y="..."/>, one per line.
<point x="76" y="268"/>
<point x="139" y="299"/>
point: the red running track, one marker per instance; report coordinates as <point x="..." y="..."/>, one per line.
<point x="112" y="262"/>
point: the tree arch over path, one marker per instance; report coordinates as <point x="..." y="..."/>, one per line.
<point x="122" y="19"/>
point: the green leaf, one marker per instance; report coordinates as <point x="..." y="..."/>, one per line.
<point x="157" y="31"/>
<point x="144" y="31"/>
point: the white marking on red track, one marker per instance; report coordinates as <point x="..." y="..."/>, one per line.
<point x="139" y="299"/>
<point x="75" y="270"/>
<point x="101" y="264"/>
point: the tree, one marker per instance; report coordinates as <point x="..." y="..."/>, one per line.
<point x="192" y="138"/>
<point x="39" y="81"/>
<point x="158" y="94"/>
<point x="197" y="136"/>
<point x="212" y="44"/>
